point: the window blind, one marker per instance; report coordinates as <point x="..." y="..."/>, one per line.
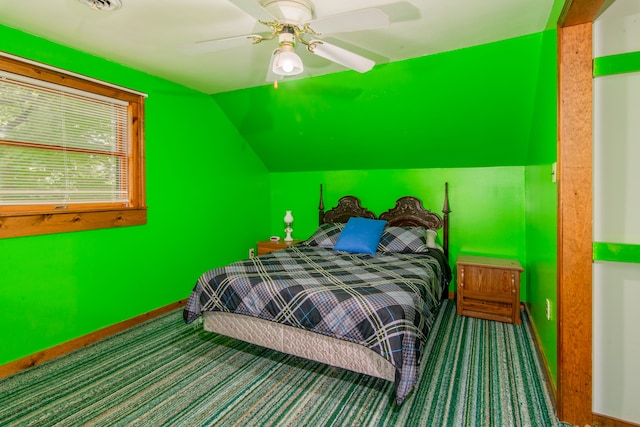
<point x="60" y="145"/>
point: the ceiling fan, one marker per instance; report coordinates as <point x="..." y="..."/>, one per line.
<point x="291" y="21"/>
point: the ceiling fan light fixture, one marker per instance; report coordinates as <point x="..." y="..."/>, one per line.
<point x="287" y="62"/>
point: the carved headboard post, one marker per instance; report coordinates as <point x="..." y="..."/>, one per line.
<point x="446" y="211"/>
<point x="321" y="208"/>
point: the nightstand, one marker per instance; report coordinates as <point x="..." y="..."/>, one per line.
<point x="266" y="246"/>
<point x="489" y="288"/>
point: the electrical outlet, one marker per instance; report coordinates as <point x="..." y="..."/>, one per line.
<point x="548" y="309"/>
<point x="251" y="252"/>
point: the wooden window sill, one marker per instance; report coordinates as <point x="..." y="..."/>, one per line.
<point x="18" y="225"/>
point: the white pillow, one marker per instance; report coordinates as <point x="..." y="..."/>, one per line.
<point x="431" y="239"/>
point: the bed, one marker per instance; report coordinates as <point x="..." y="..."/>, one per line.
<point x="366" y="312"/>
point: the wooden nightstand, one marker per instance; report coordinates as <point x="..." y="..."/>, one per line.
<point x="489" y="288"/>
<point x="266" y="246"/>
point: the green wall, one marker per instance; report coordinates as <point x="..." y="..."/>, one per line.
<point x="541" y="232"/>
<point x="471" y="107"/>
<point x="487" y="204"/>
<point x="541" y="204"/>
<point x="58" y="287"/>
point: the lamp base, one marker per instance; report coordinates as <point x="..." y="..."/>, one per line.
<point x="288" y="237"/>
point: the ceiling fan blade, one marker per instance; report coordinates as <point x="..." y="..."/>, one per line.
<point x="219" y="44"/>
<point x="255" y="9"/>
<point x="357" y="20"/>
<point x="342" y="56"/>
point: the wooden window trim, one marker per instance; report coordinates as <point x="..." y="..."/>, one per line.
<point x="37" y="220"/>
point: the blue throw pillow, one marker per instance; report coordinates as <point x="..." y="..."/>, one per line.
<point x="360" y="235"/>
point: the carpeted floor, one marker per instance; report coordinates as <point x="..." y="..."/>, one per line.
<point x="477" y="373"/>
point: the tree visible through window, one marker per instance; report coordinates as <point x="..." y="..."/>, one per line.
<point x="71" y="153"/>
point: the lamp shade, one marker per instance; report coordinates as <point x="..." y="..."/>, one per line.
<point x="288" y="218"/>
<point x="287" y="62"/>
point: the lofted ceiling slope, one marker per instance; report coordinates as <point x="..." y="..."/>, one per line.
<point x="472" y="107"/>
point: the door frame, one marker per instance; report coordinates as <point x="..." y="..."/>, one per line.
<point x="575" y="212"/>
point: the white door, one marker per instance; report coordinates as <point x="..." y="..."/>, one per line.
<point x="616" y="212"/>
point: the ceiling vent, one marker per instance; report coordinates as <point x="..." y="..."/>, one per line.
<point x="106" y="5"/>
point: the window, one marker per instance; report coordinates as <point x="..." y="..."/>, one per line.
<point x="71" y="152"/>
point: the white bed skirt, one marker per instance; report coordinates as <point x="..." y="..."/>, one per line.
<point x="298" y="342"/>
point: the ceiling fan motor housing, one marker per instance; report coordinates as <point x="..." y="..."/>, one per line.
<point x="286" y="38"/>
<point x="295" y="12"/>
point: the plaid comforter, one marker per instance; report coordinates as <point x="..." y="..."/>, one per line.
<point x="387" y="302"/>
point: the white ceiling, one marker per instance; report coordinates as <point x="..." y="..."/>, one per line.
<point x="148" y="34"/>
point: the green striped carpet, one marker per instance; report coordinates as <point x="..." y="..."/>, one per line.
<point x="163" y="372"/>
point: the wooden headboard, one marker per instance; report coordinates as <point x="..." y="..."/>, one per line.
<point x="408" y="212"/>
